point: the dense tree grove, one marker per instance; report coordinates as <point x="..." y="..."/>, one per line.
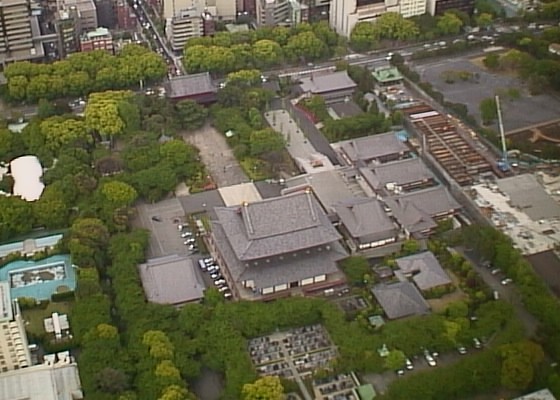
<point x="263" y="48"/>
<point x="83" y="73"/>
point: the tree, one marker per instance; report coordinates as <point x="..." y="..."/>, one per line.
<point x="305" y="46"/>
<point x="492" y="61"/>
<point x="449" y="24"/>
<point x="244" y="78"/>
<point x="519" y="362"/>
<point x="364" y="36"/>
<point x="60" y="132"/>
<point x="355" y="268"/>
<point x="119" y="194"/>
<point x="111" y="380"/>
<point x="488" y="110"/>
<point x="395" y="360"/>
<point x="102" y="112"/>
<point x="51" y="210"/>
<point x="191" y="114"/>
<point x="15" y="216"/>
<point x="484" y="20"/>
<point x="267" y="53"/>
<point x="265" y="141"/>
<point x="174" y="392"/>
<point x="88" y="241"/>
<point x="392" y="25"/>
<point x="265" y="388"/>
<point x="159" y="345"/>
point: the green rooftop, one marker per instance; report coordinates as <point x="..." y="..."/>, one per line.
<point x="366" y="392"/>
<point x="387" y="75"/>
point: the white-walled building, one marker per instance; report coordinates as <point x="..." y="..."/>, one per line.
<point x="345" y="14"/>
<point x="14" y="349"/>
<point x="27" y="172"/>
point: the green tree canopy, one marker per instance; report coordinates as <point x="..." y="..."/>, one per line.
<point x="488" y="110"/>
<point x="395" y="360"/>
<point x="191" y="114"/>
<point x="449" y="24"/>
<point x="265" y="388"/>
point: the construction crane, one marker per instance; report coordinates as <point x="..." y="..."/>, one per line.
<point x="503" y="164"/>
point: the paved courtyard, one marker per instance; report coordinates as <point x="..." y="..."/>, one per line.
<point x="217" y="156"/>
<point x="525" y="111"/>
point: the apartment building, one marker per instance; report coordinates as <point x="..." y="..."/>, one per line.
<point x="317" y="9"/>
<point x="16" y="36"/>
<point x="67" y="31"/>
<point x="14" y="349"/>
<point x="281" y="12"/>
<point x="186" y="19"/>
<point x="99" y="39"/>
<point x="84" y="12"/>
<point x="126" y="18"/>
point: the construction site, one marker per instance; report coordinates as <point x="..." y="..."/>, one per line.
<point x="462" y="156"/>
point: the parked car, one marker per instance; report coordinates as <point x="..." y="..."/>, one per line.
<point x="429" y="359"/>
<point x="223" y="288"/>
<point x="208" y="260"/>
<point x="215" y="275"/>
<point x="462" y="349"/>
<point x="190" y="241"/>
<point x="186" y="234"/>
<point x="156" y="218"/>
<point x="477" y="343"/>
<point x="400" y="372"/>
<point x="495" y="271"/>
<point x="202" y="265"/>
<point x="227" y="295"/>
<point x="213" y="269"/>
<point x="506" y="281"/>
<point x="409" y="364"/>
<point x="219" y="282"/>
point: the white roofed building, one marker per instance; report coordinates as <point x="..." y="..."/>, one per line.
<point x="27" y="172"/>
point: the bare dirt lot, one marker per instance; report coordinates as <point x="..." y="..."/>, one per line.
<point x="519" y="113"/>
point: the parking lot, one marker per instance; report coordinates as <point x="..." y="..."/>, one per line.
<point x="519" y="113"/>
<point x="161" y="219"/>
<point x="293" y="354"/>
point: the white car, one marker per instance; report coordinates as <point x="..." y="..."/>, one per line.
<point x="215" y="275"/>
<point x="186" y="234"/>
<point x="409" y="364"/>
<point x="220" y="282"/>
<point x="506" y="281"/>
<point x="227" y="295"/>
<point x="223" y="289"/>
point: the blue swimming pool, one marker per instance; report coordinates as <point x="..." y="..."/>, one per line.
<point x="39" y="279"/>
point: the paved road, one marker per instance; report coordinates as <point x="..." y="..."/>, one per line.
<point x="217" y="156"/>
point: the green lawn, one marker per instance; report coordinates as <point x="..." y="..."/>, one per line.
<point x="34" y="317"/>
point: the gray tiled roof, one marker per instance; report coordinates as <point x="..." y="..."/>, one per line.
<point x="171" y="280"/>
<point x="400" y="172"/>
<point x="366" y="219"/>
<point x="278" y="271"/>
<point x="190" y="85"/>
<point x="317" y="84"/>
<point x="329" y="187"/>
<point x="433" y="201"/>
<point x="374" y="146"/>
<point x="425" y="269"/>
<point x="407" y="214"/>
<point x="346" y="109"/>
<point x="276" y="226"/>
<point x="400" y="299"/>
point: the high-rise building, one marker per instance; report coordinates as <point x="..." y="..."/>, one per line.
<point x="14" y="348"/>
<point x="67" y="27"/>
<point x="84" y="11"/>
<point x="317" y="9"/>
<point x="106" y="13"/>
<point x="17" y="31"/>
<point x="345" y="14"/>
<point x="126" y="18"/>
<point x="439" y="7"/>
<point x="280" y="12"/>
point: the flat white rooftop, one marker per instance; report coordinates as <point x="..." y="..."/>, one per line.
<point x="42" y="382"/>
<point x="529" y="236"/>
